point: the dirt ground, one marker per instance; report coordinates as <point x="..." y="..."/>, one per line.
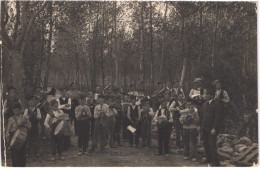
<point x="120" y="156"/>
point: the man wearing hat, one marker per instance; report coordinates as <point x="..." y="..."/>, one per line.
<point x="197" y="94"/>
<point x="220" y="94"/>
<point x="212" y="115"/>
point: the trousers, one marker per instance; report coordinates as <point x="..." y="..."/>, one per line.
<point x="164" y="133"/>
<point x="99" y="135"/>
<point x="146" y="132"/>
<point x="210" y="146"/>
<point x="190" y="142"/>
<point x="83" y="134"/>
<point x="19" y="156"/>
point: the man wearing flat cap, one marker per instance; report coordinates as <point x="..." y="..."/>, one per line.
<point x="212" y="115"/>
<point x="197" y="94"/>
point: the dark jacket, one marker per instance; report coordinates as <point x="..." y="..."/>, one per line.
<point x="212" y="116"/>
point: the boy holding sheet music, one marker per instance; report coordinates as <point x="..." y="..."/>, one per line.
<point x="134" y="115"/>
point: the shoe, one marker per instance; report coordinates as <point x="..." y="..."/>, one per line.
<point x="52" y="158"/>
<point x="186" y="158"/>
<point x="79" y="153"/>
<point x="167" y="155"/>
<point x="194" y="159"/>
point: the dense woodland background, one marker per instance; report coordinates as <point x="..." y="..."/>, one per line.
<point x="120" y="43"/>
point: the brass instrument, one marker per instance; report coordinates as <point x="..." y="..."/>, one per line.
<point x="40" y="101"/>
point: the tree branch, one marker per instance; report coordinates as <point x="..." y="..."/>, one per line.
<point x="27" y="27"/>
<point x="17" y="19"/>
<point x="3" y="23"/>
<point x="44" y="19"/>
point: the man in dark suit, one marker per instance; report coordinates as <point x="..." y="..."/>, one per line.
<point x="212" y="113"/>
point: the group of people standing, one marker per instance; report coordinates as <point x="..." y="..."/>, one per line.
<point x="107" y="117"/>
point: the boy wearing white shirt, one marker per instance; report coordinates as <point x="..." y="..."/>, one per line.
<point x="164" y="120"/>
<point x="100" y="114"/>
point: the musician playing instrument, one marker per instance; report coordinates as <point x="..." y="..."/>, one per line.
<point x="198" y="95"/>
<point x="177" y="105"/>
<point x="41" y="100"/>
<point x="164" y="120"/>
<point x="146" y="122"/>
<point x="34" y="115"/>
<point x="51" y="122"/>
<point x="83" y="115"/>
<point x="8" y="104"/>
<point x="100" y="114"/>
<point x="73" y="95"/>
<point x="14" y="123"/>
<point x="190" y="120"/>
<point x="64" y="104"/>
<point x="134" y="115"/>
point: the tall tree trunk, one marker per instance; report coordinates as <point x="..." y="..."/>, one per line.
<point x="141" y="78"/>
<point x="201" y="37"/>
<point x="115" y="44"/>
<point x="94" y="66"/>
<point x="46" y="78"/>
<point x="163" y="42"/>
<point x="183" y="53"/>
<point x="215" y="38"/>
<point x="151" y="34"/>
<point x="102" y="46"/>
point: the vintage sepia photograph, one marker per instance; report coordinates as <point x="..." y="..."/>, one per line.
<point x="129" y="83"/>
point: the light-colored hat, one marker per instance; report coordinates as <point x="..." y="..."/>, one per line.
<point x="197" y="80"/>
<point x="215" y="82"/>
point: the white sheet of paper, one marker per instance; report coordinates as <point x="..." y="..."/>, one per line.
<point x="131" y="128"/>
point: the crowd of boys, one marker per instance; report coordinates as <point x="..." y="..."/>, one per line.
<point x="106" y="117"/>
